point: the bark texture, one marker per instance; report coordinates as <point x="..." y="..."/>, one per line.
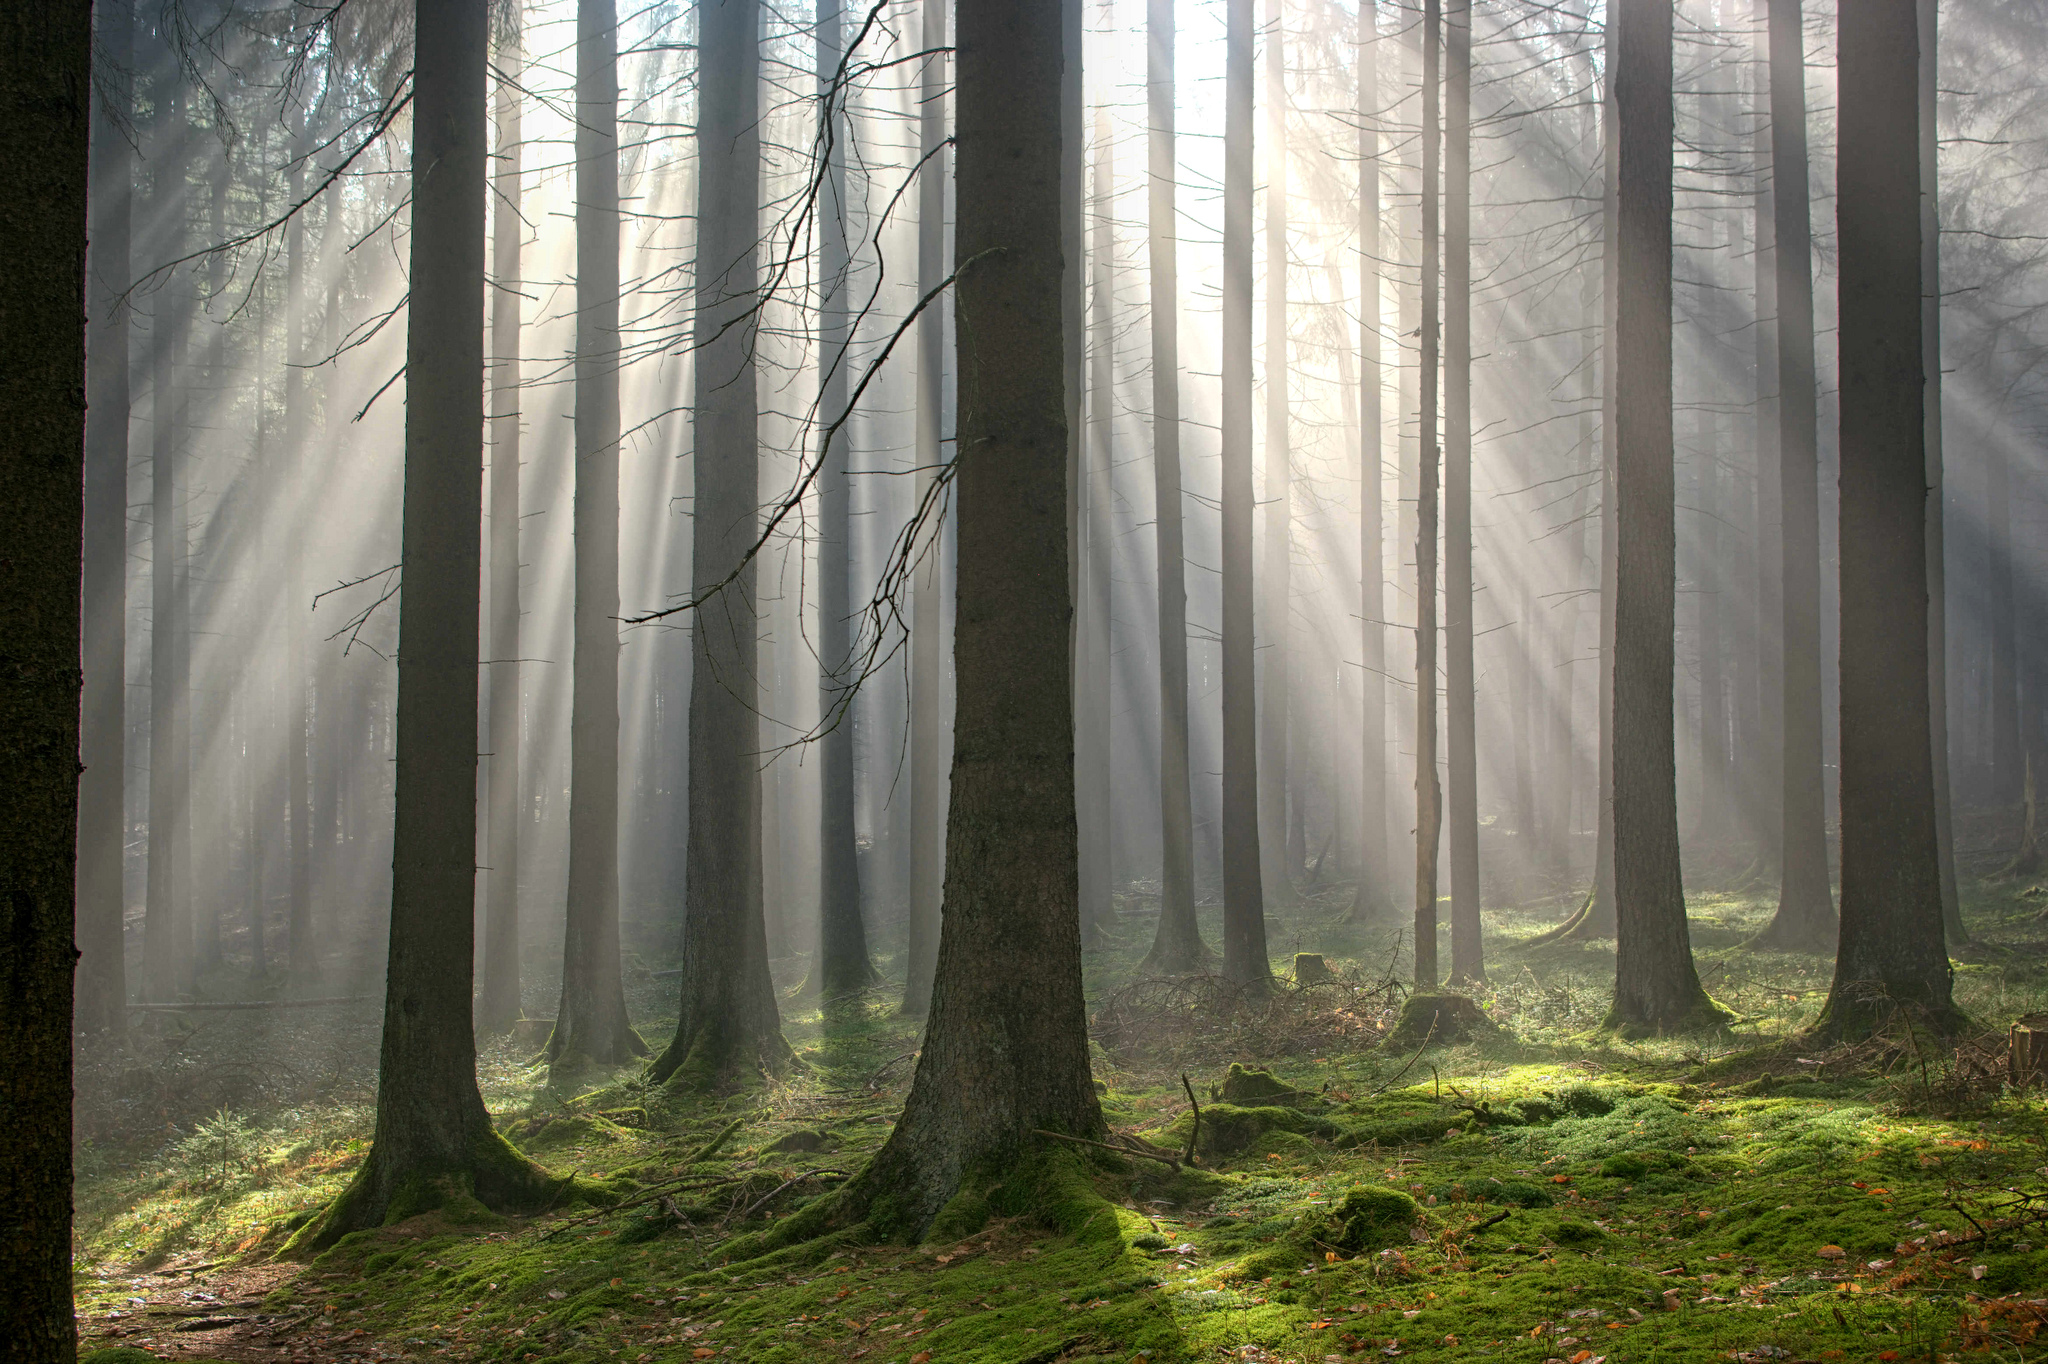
<point x="1428" y="794"/>
<point x="1006" y="1050"/>
<point x="1468" y="961"/>
<point x="1278" y="865"/>
<point x="1374" y="896"/>
<point x="45" y="84"/>
<point x="1890" y="957"/>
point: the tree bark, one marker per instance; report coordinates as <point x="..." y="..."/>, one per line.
<point x="1428" y="795"/>
<point x="1177" y="945"/>
<point x="302" y="949"/>
<point x="1656" y="988"/>
<point x="1766" y="790"/>
<point x="1006" y="1050"/>
<point x="498" y="1006"/>
<point x="1890" y="957"/>
<point x="1278" y="867"/>
<point x="434" y="1140"/>
<point x="1094" y="803"/>
<point x="46" y="83"/>
<point x="1374" y="896"/>
<point x="842" y="962"/>
<point x="1805" y="919"/>
<point x="1468" y="961"/>
<point x="728" y="1025"/>
<point x="590" y="1022"/>
<point x="102" y="818"/>
<point x="927" y="670"/>
<point x="1244" y="901"/>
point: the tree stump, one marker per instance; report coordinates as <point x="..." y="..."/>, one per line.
<point x="2027" y="1050"/>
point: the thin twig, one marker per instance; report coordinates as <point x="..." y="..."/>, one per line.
<point x="1159" y="1156"/>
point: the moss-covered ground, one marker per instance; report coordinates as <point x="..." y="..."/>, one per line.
<point x="1538" y="1192"/>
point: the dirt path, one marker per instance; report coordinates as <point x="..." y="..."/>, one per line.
<point x="204" y="1311"/>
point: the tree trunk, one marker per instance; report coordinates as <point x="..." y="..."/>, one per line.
<point x="1428" y="795"/>
<point x="1766" y="789"/>
<point x="1094" y="804"/>
<point x="45" y="81"/>
<point x="728" y="1025"/>
<point x="1890" y="957"/>
<point x="927" y="663"/>
<point x="499" y="1004"/>
<point x="1244" y="901"/>
<point x="842" y="962"/>
<point x="102" y="819"/>
<point x="1374" y="896"/>
<point x="302" y="951"/>
<point x="1468" y="961"/>
<point x="1006" y="1051"/>
<point x="1177" y="945"/>
<point x="1937" y="510"/>
<point x="1656" y="989"/>
<point x="590" y="1022"/>
<point x="1278" y="868"/>
<point x="1805" y="920"/>
<point x="434" y="1141"/>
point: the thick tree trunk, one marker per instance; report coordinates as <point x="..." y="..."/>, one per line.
<point x="1374" y="897"/>
<point x="45" y="81"/>
<point x="1890" y="957"/>
<point x="927" y="670"/>
<point x="1468" y="961"/>
<point x="1805" y="920"/>
<point x="498" y="1006"/>
<point x="434" y="1141"/>
<point x="590" y="1022"/>
<point x="1656" y="989"/>
<point x="1937" y="553"/>
<point x="842" y="961"/>
<point x="1177" y="945"/>
<point x="1278" y="867"/>
<point x="1244" y="900"/>
<point x="1006" y="1051"/>
<point x="728" y="1025"/>
<point x="1428" y="795"/>
<point x="102" y="820"/>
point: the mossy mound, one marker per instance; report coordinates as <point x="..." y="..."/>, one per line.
<point x="1370" y="1217"/>
<point x="1439" y="1020"/>
<point x="1250" y="1087"/>
<point x="550" y="1131"/>
<point x="802" y="1140"/>
<point x="1229" y="1130"/>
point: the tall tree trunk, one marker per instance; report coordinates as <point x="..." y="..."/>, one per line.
<point x="1094" y="806"/>
<point x="1890" y="957"/>
<point x="1468" y="962"/>
<point x="590" y="1022"/>
<point x="1937" y="508"/>
<point x="1177" y="945"/>
<point x="1766" y="791"/>
<point x="927" y="664"/>
<point x="102" y="819"/>
<point x="842" y="962"/>
<point x="206" y="903"/>
<point x="728" y="1024"/>
<point x="1428" y="795"/>
<point x="1278" y="868"/>
<point x="498" y="1006"/>
<point x="1805" y="920"/>
<point x="434" y="1140"/>
<point x="1006" y="1051"/>
<point x="302" y="949"/>
<point x="1244" y="900"/>
<point x="45" y="81"/>
<point x="1656" y="988"/>
<point x="1374" y="896"/>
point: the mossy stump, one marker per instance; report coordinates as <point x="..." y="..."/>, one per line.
<point x="1440" y="1019"/>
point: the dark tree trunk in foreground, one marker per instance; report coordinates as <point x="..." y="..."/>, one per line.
<point x="1890" y="956"/>
<point x="1805" y="920"/>
<point x="1278" y="867"/>
<point x="842" y="960"/>
<point x="1428" y="795"/>
<point x="1007" y="1047"/>
<point x="927" y="610"/>
<point x="1177" y="942"/>
<point x="1468" y="962"/>
<point x="45" y="83"/>
<point x="1244" y="900"/>
<point x="102" y="821"/>
<point x="591" y="1020"/>
<point x="1374" y="888"/>
<point x="728" y="1025"/>
<point x="498" y="1005"/>
<point x="1656" y="989"/>
<point x="434" y="1142"/>
<point x="1937" y="555"/>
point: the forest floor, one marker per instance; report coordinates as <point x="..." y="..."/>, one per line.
<point x="1577" y="1199"/>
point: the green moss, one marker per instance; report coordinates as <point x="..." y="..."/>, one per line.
<point x="1229" y="1130"/>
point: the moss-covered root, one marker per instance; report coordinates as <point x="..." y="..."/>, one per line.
<point x="1703" y="1014"/>
<point x="1440" y="1020"/>
<point x="492" y="1178"/>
